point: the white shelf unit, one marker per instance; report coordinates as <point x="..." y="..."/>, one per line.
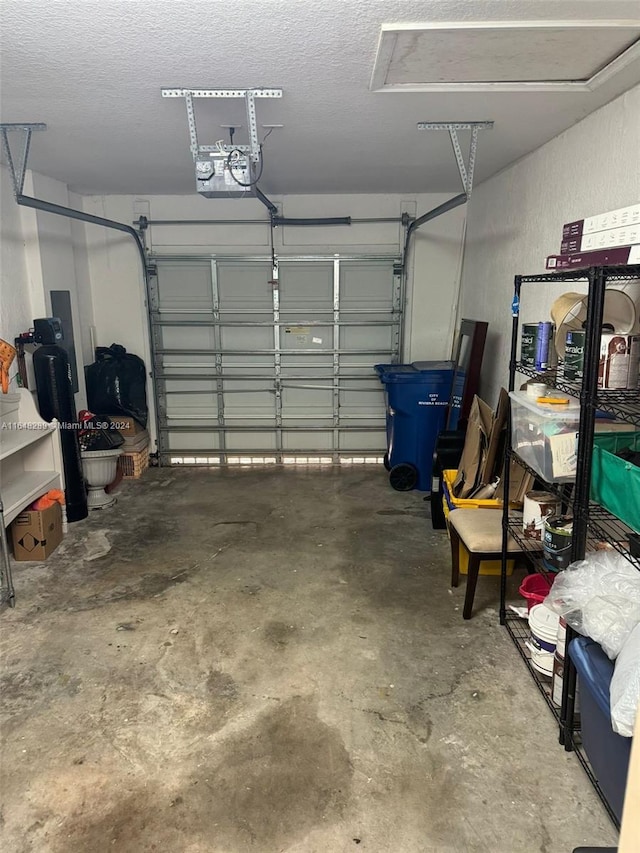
<point x="30" y="454"/>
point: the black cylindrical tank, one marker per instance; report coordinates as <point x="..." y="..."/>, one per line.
<point x="55" y="400"/>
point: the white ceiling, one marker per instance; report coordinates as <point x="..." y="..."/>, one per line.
<point x="93" y="70"/>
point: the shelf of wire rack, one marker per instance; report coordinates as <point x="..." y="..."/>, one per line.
<point x="551" y="377"/>
<point x="624" y="405"/>
<point x="531" y="548"/>
<point x="560" y="490"/>
<point x="594" y="527"/>
<point x="605" y="529"/>
<point x="518" y="630"/>
<point x="582" y="757"/>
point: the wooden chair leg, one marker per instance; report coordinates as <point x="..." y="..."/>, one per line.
<point x="472" y="580"/>
<point x="455" y="556"/>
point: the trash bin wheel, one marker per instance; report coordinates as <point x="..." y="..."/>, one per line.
<point x="385" y="462"/>
<point x="403" y="477"/>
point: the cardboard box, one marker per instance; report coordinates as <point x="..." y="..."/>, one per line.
<point x="622" y="217"/>
<point x="617" y="256"/>
<point x="125" y="424"/>
<point x="624" y="236"/>
<point x="35" y="534"/>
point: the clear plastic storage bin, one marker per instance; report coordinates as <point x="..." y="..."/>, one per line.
<point x="544" y="435"/>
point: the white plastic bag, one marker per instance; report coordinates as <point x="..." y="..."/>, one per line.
<point x="600" y="598"/>
<point x="624" y="691"/>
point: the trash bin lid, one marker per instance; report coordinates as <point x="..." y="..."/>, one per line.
<point x="432" y="365"/>
<point x="419" y="371"/>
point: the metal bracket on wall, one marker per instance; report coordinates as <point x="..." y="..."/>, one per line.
<point x="249" y="95"/>
<point x="19" y="170"/>
<point x="466" y="171"/>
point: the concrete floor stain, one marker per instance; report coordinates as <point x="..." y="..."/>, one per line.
<point x="248" y="735"/>
<point x="279" y="634"/>
<point x="260" y="790"/>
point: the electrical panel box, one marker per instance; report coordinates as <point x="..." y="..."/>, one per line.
<point x="220" y="177"/>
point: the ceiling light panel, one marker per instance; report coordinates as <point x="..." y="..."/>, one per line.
<point x="503" y="56"/>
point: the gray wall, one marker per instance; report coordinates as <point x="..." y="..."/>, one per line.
<point x="514" y="220"/>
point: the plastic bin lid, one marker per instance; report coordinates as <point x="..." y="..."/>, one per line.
<point x="594" y="668"/>
<point x="432" y="365"/>
<point x="416" y="372"/>
<point x="568" y="412"/>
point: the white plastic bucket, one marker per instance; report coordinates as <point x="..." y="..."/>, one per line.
<point x="543" y="625"/>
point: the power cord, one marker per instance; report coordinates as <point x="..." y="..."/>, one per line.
<point x="239" y="153"/>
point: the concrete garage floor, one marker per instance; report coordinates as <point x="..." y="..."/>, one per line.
<point x="268" y="660"/>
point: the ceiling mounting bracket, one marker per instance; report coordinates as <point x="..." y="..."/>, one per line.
<point x="249" y="96"/>
<point x="18" y="170"/>
<point x="466" y="171"/>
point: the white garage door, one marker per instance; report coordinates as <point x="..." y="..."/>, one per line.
<point x="250" y="367"/>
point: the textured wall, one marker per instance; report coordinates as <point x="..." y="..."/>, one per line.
<point x="515" y="219"/>
<point x="15" y="304"/>
<point x="37" y="256"/>
<point x="57" y="261"/>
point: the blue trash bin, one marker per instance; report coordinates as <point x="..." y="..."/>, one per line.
<point x="416" y="396"/>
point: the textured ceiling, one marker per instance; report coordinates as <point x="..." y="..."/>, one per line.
<point x="93" y="70"/>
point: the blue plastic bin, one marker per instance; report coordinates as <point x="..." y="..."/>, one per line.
<point x="416" y="396"/>
<point x="608" y="752"/>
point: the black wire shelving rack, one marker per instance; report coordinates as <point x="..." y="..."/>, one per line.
<point x="594" y="527"/>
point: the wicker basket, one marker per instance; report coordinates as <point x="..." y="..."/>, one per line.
<point x="132" y="465"/>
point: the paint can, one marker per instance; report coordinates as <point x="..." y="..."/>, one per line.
<point x="545" y="350"/>
<point x="619" y="362"/>
<point x="556" y="542"/>
<point x="538" y="506"/>
<point x="528" y="340"/>
<point x="574" y="355"/>
<point x="542" y="642"/>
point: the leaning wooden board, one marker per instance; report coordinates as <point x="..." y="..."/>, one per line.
<point x="630" y="830"/>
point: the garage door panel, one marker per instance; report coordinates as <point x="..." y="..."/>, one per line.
<point x="244" y="286"/>
<point x="249" y="406"/>
<point x="364" y="362"/>
<point x="246" y="386"/>
<point x="362" y="403"/>
<point x="353" y="440"/>
<point x="366" y="338"/>
<point x="306" y="403"/>
<point x="246" y="364"/>
<point x="243" y="338"/>
<point x="306" y="338"/>
<point x="242" y="441"/>
<point x="185" y="286"/>
<point x="358" y="278"/>
<point x="308" y="441"/>
<point x="246" y="318"/>
<point x="305" y="287"/>
<point x="195" y="385"/>
<point x="190" y="441"/>
<point x="300" y="363"/>
<point x="184" y="337"/>
<point x="265" y="376"/>
<point x="188" y="363"/>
